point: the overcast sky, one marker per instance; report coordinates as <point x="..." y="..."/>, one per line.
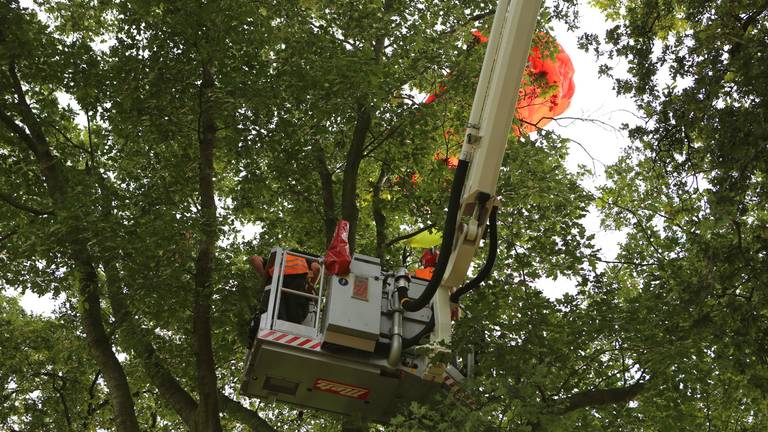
<point x="594" y="99"/>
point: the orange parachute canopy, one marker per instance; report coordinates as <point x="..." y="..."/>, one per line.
<point x="548" y="90"/>
<point x="547" y="86"/>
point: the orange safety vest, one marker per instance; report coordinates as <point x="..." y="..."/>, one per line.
<point x="293" y="265"/>
<point x="424" y="273"/>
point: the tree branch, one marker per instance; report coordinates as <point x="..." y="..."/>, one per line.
<point x="409" y="235"/>
<point x="632" y="263"/>
<point x="13" y="202"/>
<point x="248" y="417"/>
<point x="16" y="129"/>
<point x="62" y="398"/>
<point x="88" y="281"/>
<point x="471" y="19"/>
<point x="592" y="398"/>
<point x="168" y="387"/>
<point x="326" y="183"/>
<point x="379" y="217"/>
<point x="38" y="142"/>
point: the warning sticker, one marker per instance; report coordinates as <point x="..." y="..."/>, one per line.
<point x="340" y="389"/>
<point x="360" y="290"/>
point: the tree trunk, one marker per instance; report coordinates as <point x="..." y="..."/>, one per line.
<point x="349" y="210"/>
<point x="208" y="406"/>
<point x="329" y="203"/>
<point x="355" y="154"/>
<point x="378" y="214"/>
<point x="88" y="286"/>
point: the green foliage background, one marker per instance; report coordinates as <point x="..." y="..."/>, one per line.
<point x="103" y="108"/>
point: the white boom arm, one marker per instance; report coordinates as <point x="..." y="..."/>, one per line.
<point x="488" y="129"/>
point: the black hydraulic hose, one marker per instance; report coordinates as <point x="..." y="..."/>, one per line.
<point x="489" y="261"/>
<point x="449" y="231"/>
<point x="413" y="340"/>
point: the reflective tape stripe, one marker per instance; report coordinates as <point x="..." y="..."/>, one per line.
<point x="292" y="340"/>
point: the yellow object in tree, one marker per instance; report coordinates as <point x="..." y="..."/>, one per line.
<point x="426" y="239"/>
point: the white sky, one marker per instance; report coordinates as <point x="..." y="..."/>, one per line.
<point x="594" y="99"/>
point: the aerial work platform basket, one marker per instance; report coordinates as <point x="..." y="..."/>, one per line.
<point x="342" y="358"/>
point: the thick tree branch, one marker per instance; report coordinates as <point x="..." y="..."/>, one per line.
<point x="101" y="345"/>
<point x="13" y="202"/>
<point x="16" y="129"/>
<point x="326" y="183"/>
<point x="248" y="417"/>
<point x="140" y="343"/>
<point x="38" y="143"/>
<point x="592" y="398"/>
<point x="355" y="153"/>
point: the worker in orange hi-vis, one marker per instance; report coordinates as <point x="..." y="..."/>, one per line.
<point x="428" y="261"/>
<point x="300" y="274"/>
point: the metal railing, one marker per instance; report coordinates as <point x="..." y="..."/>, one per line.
<point x="276" y="295"/>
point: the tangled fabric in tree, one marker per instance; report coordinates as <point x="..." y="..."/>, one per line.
<point x="549" y="89"/>
<point x="337" y="257"/>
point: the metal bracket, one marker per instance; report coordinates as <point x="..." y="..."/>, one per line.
<point x="472" y="138"/>
<point x="471" y="229"/>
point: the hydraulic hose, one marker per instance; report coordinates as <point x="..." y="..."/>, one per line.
<point x="413" y="340"/>
<point x="489" y="261"/>
<point x="449" y="231"/>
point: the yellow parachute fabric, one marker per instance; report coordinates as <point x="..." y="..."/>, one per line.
<point x="426" y="239"/>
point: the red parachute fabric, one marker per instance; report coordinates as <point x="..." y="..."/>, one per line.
<point x="479" y="36"/>
<point x="337" y="258"/>
<point x="536" y="106"/>
<point x="433" y="96"/>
